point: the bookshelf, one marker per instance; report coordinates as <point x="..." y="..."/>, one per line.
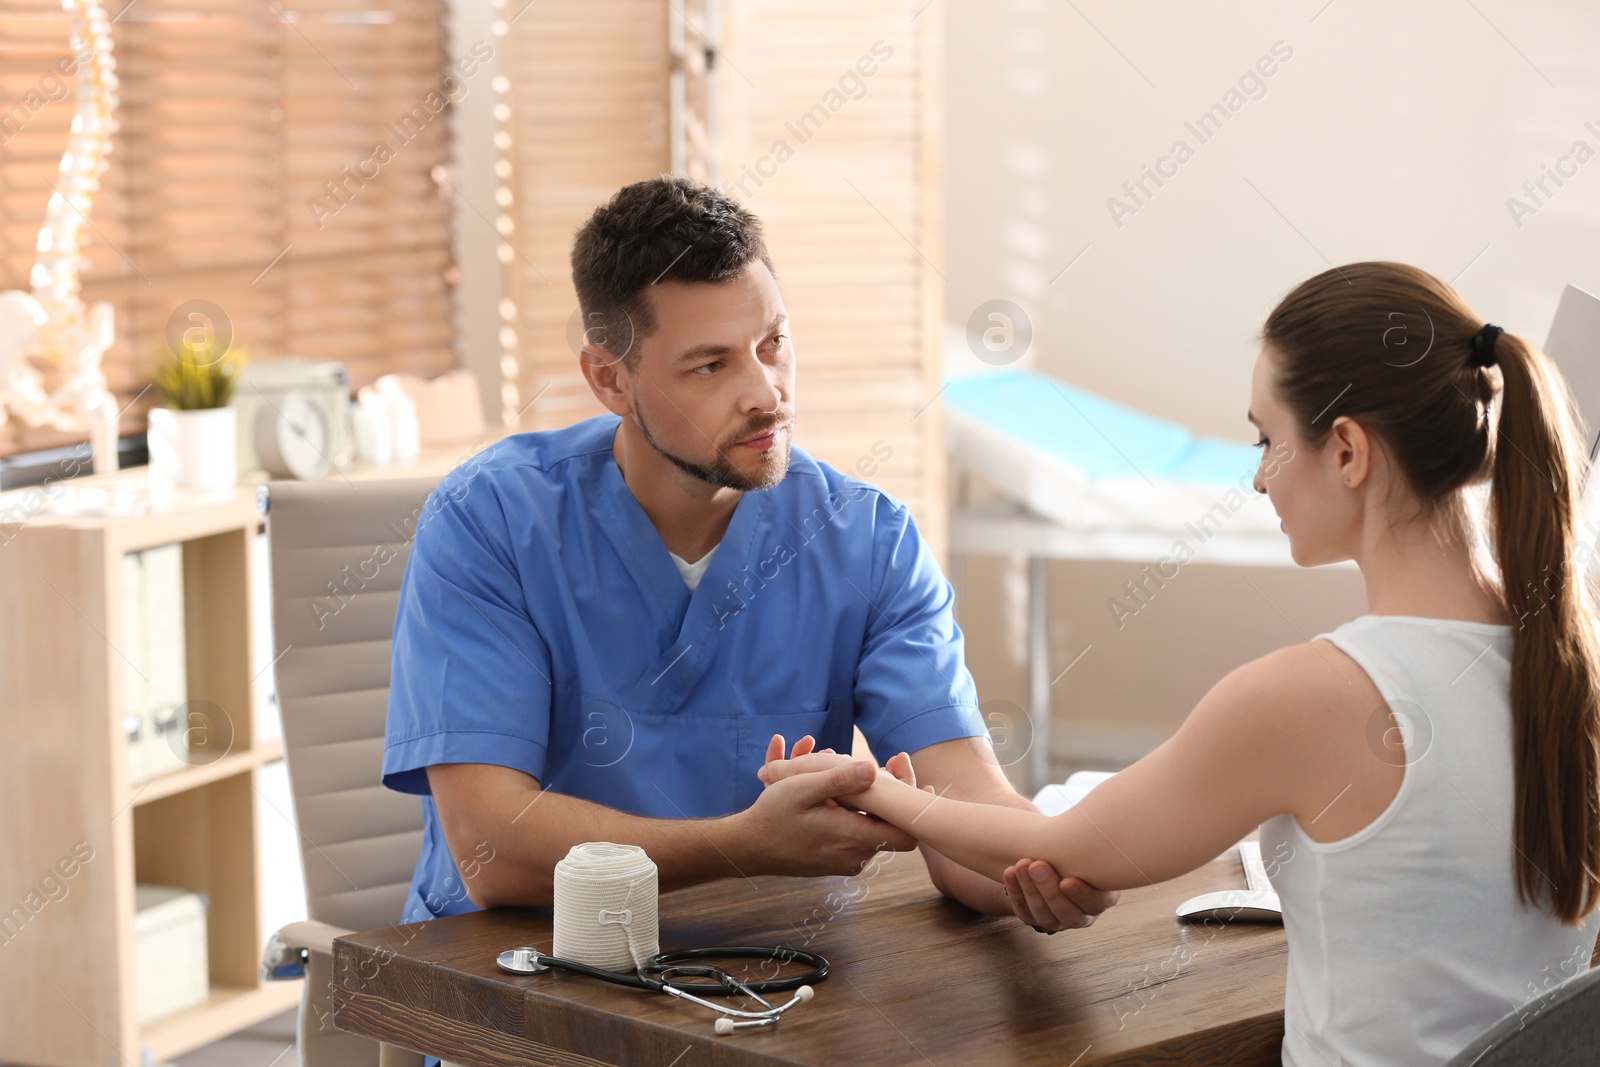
<point x="64" y="777"/>
<point x="66" y="942"/>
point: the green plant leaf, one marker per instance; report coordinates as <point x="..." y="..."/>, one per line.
<point x="192" y="381"/>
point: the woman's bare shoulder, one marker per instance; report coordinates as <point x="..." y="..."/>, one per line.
<point x="1295" y="679"/>
<point x="1309" y="716"/>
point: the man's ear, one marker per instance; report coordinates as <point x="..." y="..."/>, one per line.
<point x="608" y="379"/>
<point x="1352" y="451"/>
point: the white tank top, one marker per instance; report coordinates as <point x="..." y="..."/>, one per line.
<point x="1406" y="939"/>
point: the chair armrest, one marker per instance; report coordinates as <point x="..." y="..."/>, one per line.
<point x="286" y="951"/>
<point x="395" y="1056"/>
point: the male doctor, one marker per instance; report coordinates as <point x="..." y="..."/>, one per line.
<point x="601" y="629"/>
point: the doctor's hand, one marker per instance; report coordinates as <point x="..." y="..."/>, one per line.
<point x="1044" y="900"/>
<point x="798" y="827"/>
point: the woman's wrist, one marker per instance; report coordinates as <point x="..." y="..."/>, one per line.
<point x="890" y="799"/>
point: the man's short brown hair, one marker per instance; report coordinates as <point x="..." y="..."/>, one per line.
<point x="665" y="228"/>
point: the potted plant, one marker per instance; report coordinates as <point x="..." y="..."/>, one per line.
<point x="193" y="441"/>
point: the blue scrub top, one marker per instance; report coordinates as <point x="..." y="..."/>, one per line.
<point x="543" y="626"/>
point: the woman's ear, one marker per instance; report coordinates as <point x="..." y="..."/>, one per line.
<point x="1350" y="447"/>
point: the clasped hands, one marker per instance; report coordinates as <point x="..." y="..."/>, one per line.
<point x="1035" y="892"/>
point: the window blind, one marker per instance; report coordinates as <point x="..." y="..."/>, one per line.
<point x="830" y="134"/>
<point x="568" y="151"/>
<point x="285" y="163"/>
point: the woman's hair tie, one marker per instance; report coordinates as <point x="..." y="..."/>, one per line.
<point x="1483" y="345"/>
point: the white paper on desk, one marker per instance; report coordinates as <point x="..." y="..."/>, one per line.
<point x="1055" y="799"/>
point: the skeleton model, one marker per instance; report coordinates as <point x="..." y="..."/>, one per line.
<point x="48" y="332"/>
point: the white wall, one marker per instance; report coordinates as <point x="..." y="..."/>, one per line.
<point x="1394" y="131"/>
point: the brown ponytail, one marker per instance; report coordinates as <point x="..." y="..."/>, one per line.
<point x="1392" y="347"/>
<point x="1538" y="475"/>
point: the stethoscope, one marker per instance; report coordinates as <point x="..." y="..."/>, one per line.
<point x="658" y="974"/>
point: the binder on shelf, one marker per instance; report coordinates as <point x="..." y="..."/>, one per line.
<point x="136" y="669"/>
<point x="158" y="688"/>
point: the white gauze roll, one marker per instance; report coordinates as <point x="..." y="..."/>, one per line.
<point x="605" y="906"/>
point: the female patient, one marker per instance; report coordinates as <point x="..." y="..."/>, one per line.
<point x="1427" y="776"/>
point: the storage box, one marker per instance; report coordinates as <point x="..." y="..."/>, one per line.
<point x="169" y="951"/>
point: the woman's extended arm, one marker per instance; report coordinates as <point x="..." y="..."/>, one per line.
<point x="1248" y="751"/>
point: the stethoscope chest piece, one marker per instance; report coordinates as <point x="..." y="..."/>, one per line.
<point x="521" y="961"/>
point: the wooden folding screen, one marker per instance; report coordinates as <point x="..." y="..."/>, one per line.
<point x="823" y="118"/>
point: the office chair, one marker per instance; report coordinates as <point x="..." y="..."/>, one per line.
<point x="1559" y="1028"/>
<point x="338" y="551"/>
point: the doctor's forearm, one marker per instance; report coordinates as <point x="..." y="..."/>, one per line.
<point x="981" y="894"/>
<point x="532" y="832"/>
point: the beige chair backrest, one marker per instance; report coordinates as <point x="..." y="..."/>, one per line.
<point x="339" y="550"/>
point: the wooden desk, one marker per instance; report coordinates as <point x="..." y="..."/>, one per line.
<point x="916" y="979"/>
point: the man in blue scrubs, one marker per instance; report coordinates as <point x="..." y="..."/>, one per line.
<point x="602" y="628"/>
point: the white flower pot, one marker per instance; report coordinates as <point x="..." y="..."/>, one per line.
<point x="193" y="449"/>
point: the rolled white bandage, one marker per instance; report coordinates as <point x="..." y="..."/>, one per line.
<point x="605" y="906"/>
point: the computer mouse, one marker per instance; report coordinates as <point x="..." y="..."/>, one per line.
<point x="1232" y="905"/>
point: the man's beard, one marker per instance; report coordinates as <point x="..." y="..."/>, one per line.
<point x="723" y="474"/>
